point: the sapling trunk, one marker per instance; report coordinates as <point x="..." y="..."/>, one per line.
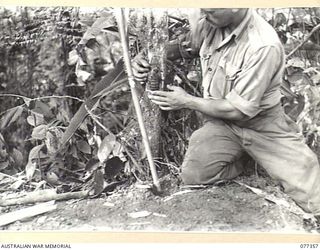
<point x="126" y="57"/>
<point x="153" y="36"/>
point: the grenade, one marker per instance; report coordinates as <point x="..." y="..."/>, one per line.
<point x="154" y="77"/>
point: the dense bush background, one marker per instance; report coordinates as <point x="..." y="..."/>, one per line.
<point x="51" y="58"/>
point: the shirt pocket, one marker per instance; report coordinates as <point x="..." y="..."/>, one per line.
<point x="231" y="73"/>
<point x="205" y="61"/>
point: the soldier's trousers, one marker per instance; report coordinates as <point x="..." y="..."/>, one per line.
<point x="271" y="139"/>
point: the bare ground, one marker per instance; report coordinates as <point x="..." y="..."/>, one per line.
<point x="228" y="207"/>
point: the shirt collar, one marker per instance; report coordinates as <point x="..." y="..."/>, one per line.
<point x="236" y="33"/>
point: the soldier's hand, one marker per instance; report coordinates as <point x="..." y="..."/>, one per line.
<point x="141" y="68"/>
<point x="175" y="98"/>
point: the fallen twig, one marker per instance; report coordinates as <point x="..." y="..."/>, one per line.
<point x="25" y="213"/>
<point x="9" y="176"/>
<point x="141" y="214"/>
<point x="42" y="196"/>
<point x="265" y="195"/>
<point x="280" y="202"/>
<point x="178" y="193"/>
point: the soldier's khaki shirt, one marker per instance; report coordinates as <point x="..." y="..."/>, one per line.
<point x="244" y="67"/>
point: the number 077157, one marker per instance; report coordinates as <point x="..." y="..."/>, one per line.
<point x="309" y="246"/>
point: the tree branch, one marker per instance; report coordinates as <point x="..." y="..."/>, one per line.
<point x="304" y="41"/>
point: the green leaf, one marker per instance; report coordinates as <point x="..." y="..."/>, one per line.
<point x="82" y="75"/>
<point x="296" y="62"/>
<point x="316" y="78"/>
<point x="106" y="147"/>
<point x="30" y="170"/>
<point x="32" y="164"/>
<point x="17" y="156"/>
<point x="39" y="132"/>
<point x="107" y="20"/>
<point x="35" y="153"/>
<point x="17" y="184"/>
<point x="92" y="165"/>
<point x="10" y="116"/>
<point x="52" y="142"/>
<point x="98" y="183"/>
<point x="35" y="119"/>
<point x="43" y="108"/>
<point x="84" y="147"/>
<point x="4" y="165"/>
<point x="73" y="57"/>
<point x="3" y="149"/>
<point x="27" y="100"/>
<point x="1" y="138"/>
<point x="118" y="151"/>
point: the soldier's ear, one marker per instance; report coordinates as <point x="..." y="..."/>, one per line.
<point x="235" y="10"/>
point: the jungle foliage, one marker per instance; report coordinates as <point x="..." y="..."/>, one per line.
<point x="52" y="60"/>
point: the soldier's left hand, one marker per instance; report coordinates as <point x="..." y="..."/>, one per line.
<point x="175" y="99"/>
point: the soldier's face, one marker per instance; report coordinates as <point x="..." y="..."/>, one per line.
<point x="220" y="17"/>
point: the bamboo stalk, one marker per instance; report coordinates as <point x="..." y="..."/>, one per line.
<point x="42" y="196"/>
<point x="26" y="213"/>
<point x="124" y="42"/>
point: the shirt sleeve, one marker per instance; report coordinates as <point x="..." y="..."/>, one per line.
<point x="254" y="79"/>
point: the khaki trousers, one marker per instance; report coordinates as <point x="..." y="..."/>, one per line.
<point x="271" y="139"/>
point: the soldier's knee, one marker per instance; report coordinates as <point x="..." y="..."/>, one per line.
<point x="200" y="173"/>
<point x="209" y="173"/>
<point x="190" y="176"/>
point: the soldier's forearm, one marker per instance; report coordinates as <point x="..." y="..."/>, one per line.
<point x="218" y="108"/>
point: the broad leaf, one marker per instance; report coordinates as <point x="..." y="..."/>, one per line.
<point x="30" y="170"/>
<point x="316" y="78"/>
<point x="84" y="147"/>
<point x="105" y="21"/>
<point x="73" y="57"/>
<point x="106" y="147"/>
<point x="82" y="75"/>
<point x="118" y="151"/>
<point x="35" y="119"/>
<point x="92" y="165"/>
<point x="32" y="164"/>
<point x="11" y="116"/>
<point x="43" y="108"/>
<point x="52" y="141"/>
<point x="27" y="100"/>
<point x="39" y="132"/>
<point x="114" y="166"/>
<point x="4" y="165"/>
<point x="35" y="153"/>
<point x="17" y="184"/>
<point x="98" y="183"/>
<point x="296" y="62"/>
<point x="17" y="156"/>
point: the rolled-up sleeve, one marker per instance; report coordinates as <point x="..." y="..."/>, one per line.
<point x="254" y="80"/>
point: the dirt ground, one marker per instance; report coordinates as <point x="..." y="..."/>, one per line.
<point x="229" y="207"/>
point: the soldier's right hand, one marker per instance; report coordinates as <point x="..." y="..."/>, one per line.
<point x="141" y="68"/>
